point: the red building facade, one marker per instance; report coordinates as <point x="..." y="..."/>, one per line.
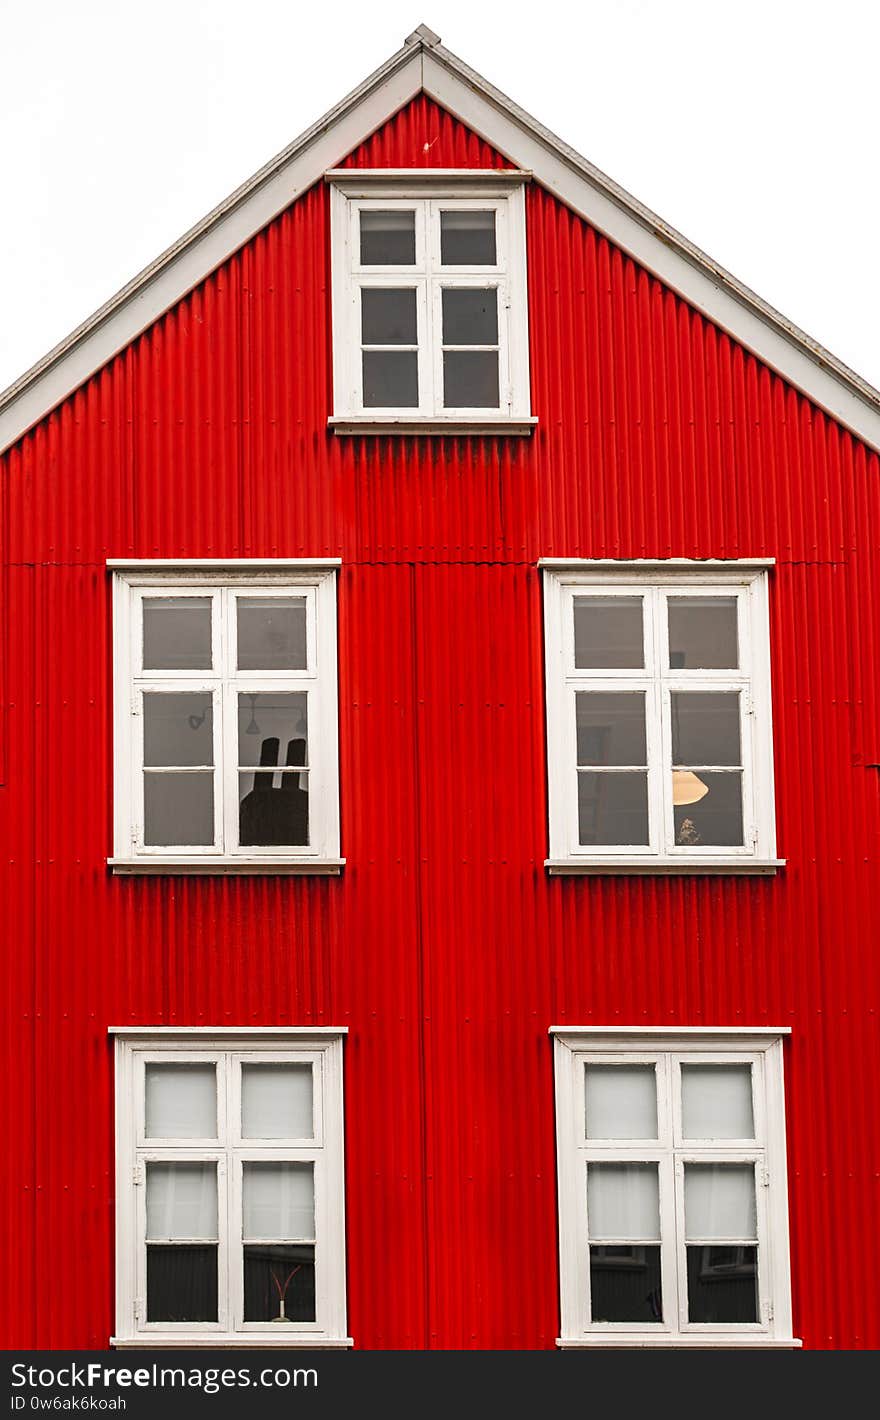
<point x="443" y="946"/>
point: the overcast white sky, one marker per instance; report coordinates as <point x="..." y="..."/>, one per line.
<point x="751" y="127"/>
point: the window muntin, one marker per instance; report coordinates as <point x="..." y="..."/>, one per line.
<point x="663" y="1234"/>
<point x="658" y="716"/>
<point x="233" y="754"/>
<point x="238" y="1228"/>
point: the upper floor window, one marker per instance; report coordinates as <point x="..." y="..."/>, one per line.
<point x="225" y="718"/>
<point x="430" y="321"/>
<point x="658" y="717"/>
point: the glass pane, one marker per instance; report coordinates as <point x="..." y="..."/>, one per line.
<point x="388" y="317"/>
<point x="608" y="633"/>
<point x="712" y="812"/>
<point x="391" y="379"/>
<point x="722" y="1284"/>
<point x="467" y="238"/>
<point x="623" y="1203"/>
<point x="177" y="633"/>
<point x="181" y="1282"/>
<point x="621" y="1101"/>
<point x="179" y="810"/>
<point x="274" y="810"/>
<point x="613" y="808"/>
<point x="702" y="633"/>
<point x="705" y="727"/>
<point x="178" y="728"/>
<point x="273" y="728"/>
<point x="278" y="1201"/>
<point x="181" y="1101"/>
<point x="611" y="727"/>
<point x="279" y="1282"/>
<point x="181" y="1201"/>
<point x="470" y="316"/>
<point x="271" y="633"/>
<point x="470" y="379"/>
<point x="719" y="1203"/>
<point x="625" y="1284"/>
<point x="388" y="238"/>
<point x="276" y="1101"/>
<point x="716" y="1102"/>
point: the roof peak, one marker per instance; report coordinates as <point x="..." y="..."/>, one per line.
<point x="423" y="35"/>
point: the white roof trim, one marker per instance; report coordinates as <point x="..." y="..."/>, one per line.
<point x="422" y="63"/>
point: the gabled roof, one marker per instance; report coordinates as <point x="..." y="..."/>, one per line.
<point x="422" y="64"/>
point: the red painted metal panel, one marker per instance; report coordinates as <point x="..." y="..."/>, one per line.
<point x="444" y="947"/>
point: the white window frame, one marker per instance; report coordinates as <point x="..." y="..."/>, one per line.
<point x="230" y="1048"/>
<point x="133" y="583"/>
<point x="667" y="1048"/>
<point x="426" y="191"/>
<point x="657" y="581"/>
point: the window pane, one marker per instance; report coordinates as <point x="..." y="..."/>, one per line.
<point x="388" y="317"/>
<point x="716" y="1102"/>
<point x="391" y="379"/>
<point x="470" y="379"/>
<point x="177" y="633"/>
<point x="716" y="818"/>
<point x="276" y="1101"/>
<point x="388" y="238"/>
<point x="621" y="1101"/>
<point x="613" y="808"/>
<point x="722" y="1284"/>
<point x="705" y="727"/>
<point x="467" y="238"/>
<point x="271" y="633"/>
<point x="272" y="728"/>
<point x="278" y="1201"/>
<point x="625" y="1284"/>
<point x="182" y="1201"/>
<point x="608" y="633"/>
<point x="179" y="809"/>
<point x="279" y="1282"/>
<point x="702" y="633"/>
<point x="623" y="1203"/>
<point x="181" y="1101"/>
<point x="274" y="810"/>
<point x="611" y="727"/>
<point x="178" y="728"/>
<point x="719" y="1203"/>
<point x="181" y="1282"/>
<point x="470" y="315"/>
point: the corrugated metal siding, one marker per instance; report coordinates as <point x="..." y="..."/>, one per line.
<point x="444" y="947"/>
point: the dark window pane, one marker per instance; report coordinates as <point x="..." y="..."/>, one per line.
<point x="182" y="1282"/>
<point x="391" y="379"/>
<point x="702" y="633"/>
<point x="625" y="1284"/>
<point x="612" y="808"/>
<point x="467" y="238"/>
<point x="470" y="316"/>
<point x="611" y="727"/>
<point x="388" y="238"/>
<point x="716" y="819"/>
<point x="178" y="729"/>
<point x="705" y="728"/>
<point x="388" y="317"/>
<point x="177" y="633"/>
<point x="608" y="633"/>
<point x="271" y="633"/>
<point x="470" y="379"/>
<point x="274" y="810"/>
<point x="279" y="1282"/>
<point x="272" y="728"/>
<point x="722" y="1283"/>
<point x="179" y="809"/>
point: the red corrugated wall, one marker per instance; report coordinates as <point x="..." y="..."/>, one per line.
<point x="443" y="946"/>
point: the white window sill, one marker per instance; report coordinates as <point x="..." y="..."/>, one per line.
<point x="425" y="424"/>
<point x="252" y="1342"/>
<point x="717" y="1342"/>
<point x="296" y="867"/>
<point x="663" y="867"/>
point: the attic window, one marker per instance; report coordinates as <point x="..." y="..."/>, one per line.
<point x="430" y="320"/>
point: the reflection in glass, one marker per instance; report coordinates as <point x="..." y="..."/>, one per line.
<point x="276" y="1101"/>
<point x="716" y="1101"/>
<point x="612" y="808"/>
<point x="470" y="379"/>
<point x="625" y="1283"/>
<point x="177" y="633"/>
<point x="722" y="1284"/>
<point x="279" y="1282"/>
<point x="467" y="238"/>
<point x="388" y="238"/>
<point x="271" y="633"/>
<point x="178" y="728"/>
<point x="703" y="633"/>
<point x="608" y="633"/>
<point x="179" y="809"/>
<point x="621" y="1101"/>
<point x="181" y="1282"/>
<point x="181" y="1100"/>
